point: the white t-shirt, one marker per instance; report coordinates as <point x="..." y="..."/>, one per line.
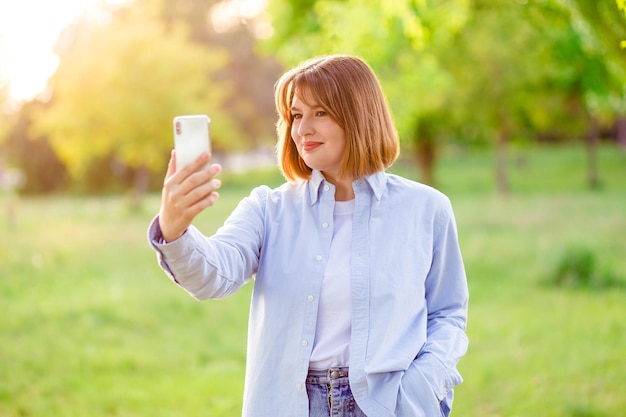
<point x="332" y="335"/>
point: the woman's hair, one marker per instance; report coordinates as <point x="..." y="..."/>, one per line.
<point x="348" y="90"/>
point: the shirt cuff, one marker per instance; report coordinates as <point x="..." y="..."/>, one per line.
<point x="169" y="252"/>
<point x="155" y="236"/>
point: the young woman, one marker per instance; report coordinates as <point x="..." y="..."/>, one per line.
<point x="360" y="294"/>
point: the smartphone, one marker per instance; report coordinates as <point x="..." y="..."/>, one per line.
<point x="191" y="138"/>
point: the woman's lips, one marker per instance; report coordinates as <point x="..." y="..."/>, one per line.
<point x="309" y="146"/>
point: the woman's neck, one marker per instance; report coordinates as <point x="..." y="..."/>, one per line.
<point x="343" y="187"/>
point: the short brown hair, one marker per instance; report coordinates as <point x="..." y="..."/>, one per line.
<point x="348" y="90"/>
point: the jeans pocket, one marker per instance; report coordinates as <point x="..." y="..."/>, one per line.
<point x="416" y="397"/>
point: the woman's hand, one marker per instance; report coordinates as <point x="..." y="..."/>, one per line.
<point x="185" y="194"/>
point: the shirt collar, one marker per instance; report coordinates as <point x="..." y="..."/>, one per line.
<point x="376" y="182"/>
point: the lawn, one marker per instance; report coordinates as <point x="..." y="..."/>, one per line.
<point x="90" y="326"/>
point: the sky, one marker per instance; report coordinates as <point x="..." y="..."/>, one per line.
<point x="29" y="30"/>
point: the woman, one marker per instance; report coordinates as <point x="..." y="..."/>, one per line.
<point x="360" y="295"/>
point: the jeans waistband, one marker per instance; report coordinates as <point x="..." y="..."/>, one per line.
<point x="330" y="373"/>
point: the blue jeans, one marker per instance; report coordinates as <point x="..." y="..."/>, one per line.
<point x="330" y="395"/>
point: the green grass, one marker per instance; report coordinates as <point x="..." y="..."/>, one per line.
<point x="538" y="350"/>
<point x="90" y="326"/>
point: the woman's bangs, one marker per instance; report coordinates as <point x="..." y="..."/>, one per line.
<point x="311" y="89"/>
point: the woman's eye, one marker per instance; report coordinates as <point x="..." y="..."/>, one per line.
<point x="296" y="116"/>
<point x="321" y="113"/>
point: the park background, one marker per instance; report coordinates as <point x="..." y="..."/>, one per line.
<point x="516" y="109"/>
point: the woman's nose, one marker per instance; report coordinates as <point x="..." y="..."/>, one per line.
<point x="305" y="127"/>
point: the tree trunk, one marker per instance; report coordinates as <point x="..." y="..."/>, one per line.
<point x="621" y="132"/>
<point x="425" y="154"/>
<point x="593" y="176"/>
<point x="140" y="187"/>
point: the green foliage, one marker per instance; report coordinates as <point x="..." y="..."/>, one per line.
<point x="601" y="30"/>
<point x="396" y="38"/>
<point x="480" y="72"/>
<point x="475" y="72"/>
<point x="249" y="100"/>
<point x="577" y="267"/>
<point x="34" y="157"/>
<point x="121" y="80"/>
<point x="622" y="6"/>
<point x="490" y="69"/>
<point x="119" y="86"/>
<point x="607" y="26"/>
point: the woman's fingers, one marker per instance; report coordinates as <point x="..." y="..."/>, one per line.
<point x="199" y="192"/>
<point x="201" y="199"/>
<point x="196" y="165"/>
<point x="171" y="165"/>
<point x="188" y="176"/>
<point x="186" y="193"/>
<point x="178" y="175"/>
<point x="194" y="188"/>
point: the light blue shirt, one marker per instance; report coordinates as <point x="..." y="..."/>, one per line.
<point x="408" y="288"/>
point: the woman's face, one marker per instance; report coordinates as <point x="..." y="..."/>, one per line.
<point x="319" y="139"/>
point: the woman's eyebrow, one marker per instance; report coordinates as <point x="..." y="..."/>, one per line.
<point x="313" y="107"/>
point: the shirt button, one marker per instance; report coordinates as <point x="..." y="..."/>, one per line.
<point x="325" y="225"/>
<point x="304" y="343"/>
<point x="299" y="387"/>
<point x="326" y="188"/>
<point x="318" y="258"/>
<point x="310" y="298"/>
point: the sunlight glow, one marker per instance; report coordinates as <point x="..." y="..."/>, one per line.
<point x="227" y="14"/>
<point x="28" y="32"/>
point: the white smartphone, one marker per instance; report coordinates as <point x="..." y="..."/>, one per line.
<point x="191" y="138"/>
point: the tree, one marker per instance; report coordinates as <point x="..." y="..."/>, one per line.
<point x="398" y="39"/>
<point x="118" y="87"/>
<point x="486" y="71"/>
<point x="42" y="169"/>
<point x="500" y="65"/>
<point x="599" y="29"/>
<point x="250" y="100"/>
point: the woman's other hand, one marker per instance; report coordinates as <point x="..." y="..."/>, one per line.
<point x="185" y="194"/>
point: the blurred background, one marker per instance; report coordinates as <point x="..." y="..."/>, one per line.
<point x="516" y="109"/>
<point x="88" y="88"/>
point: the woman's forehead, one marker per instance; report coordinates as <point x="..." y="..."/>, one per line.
<point x="306" y="95"/>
